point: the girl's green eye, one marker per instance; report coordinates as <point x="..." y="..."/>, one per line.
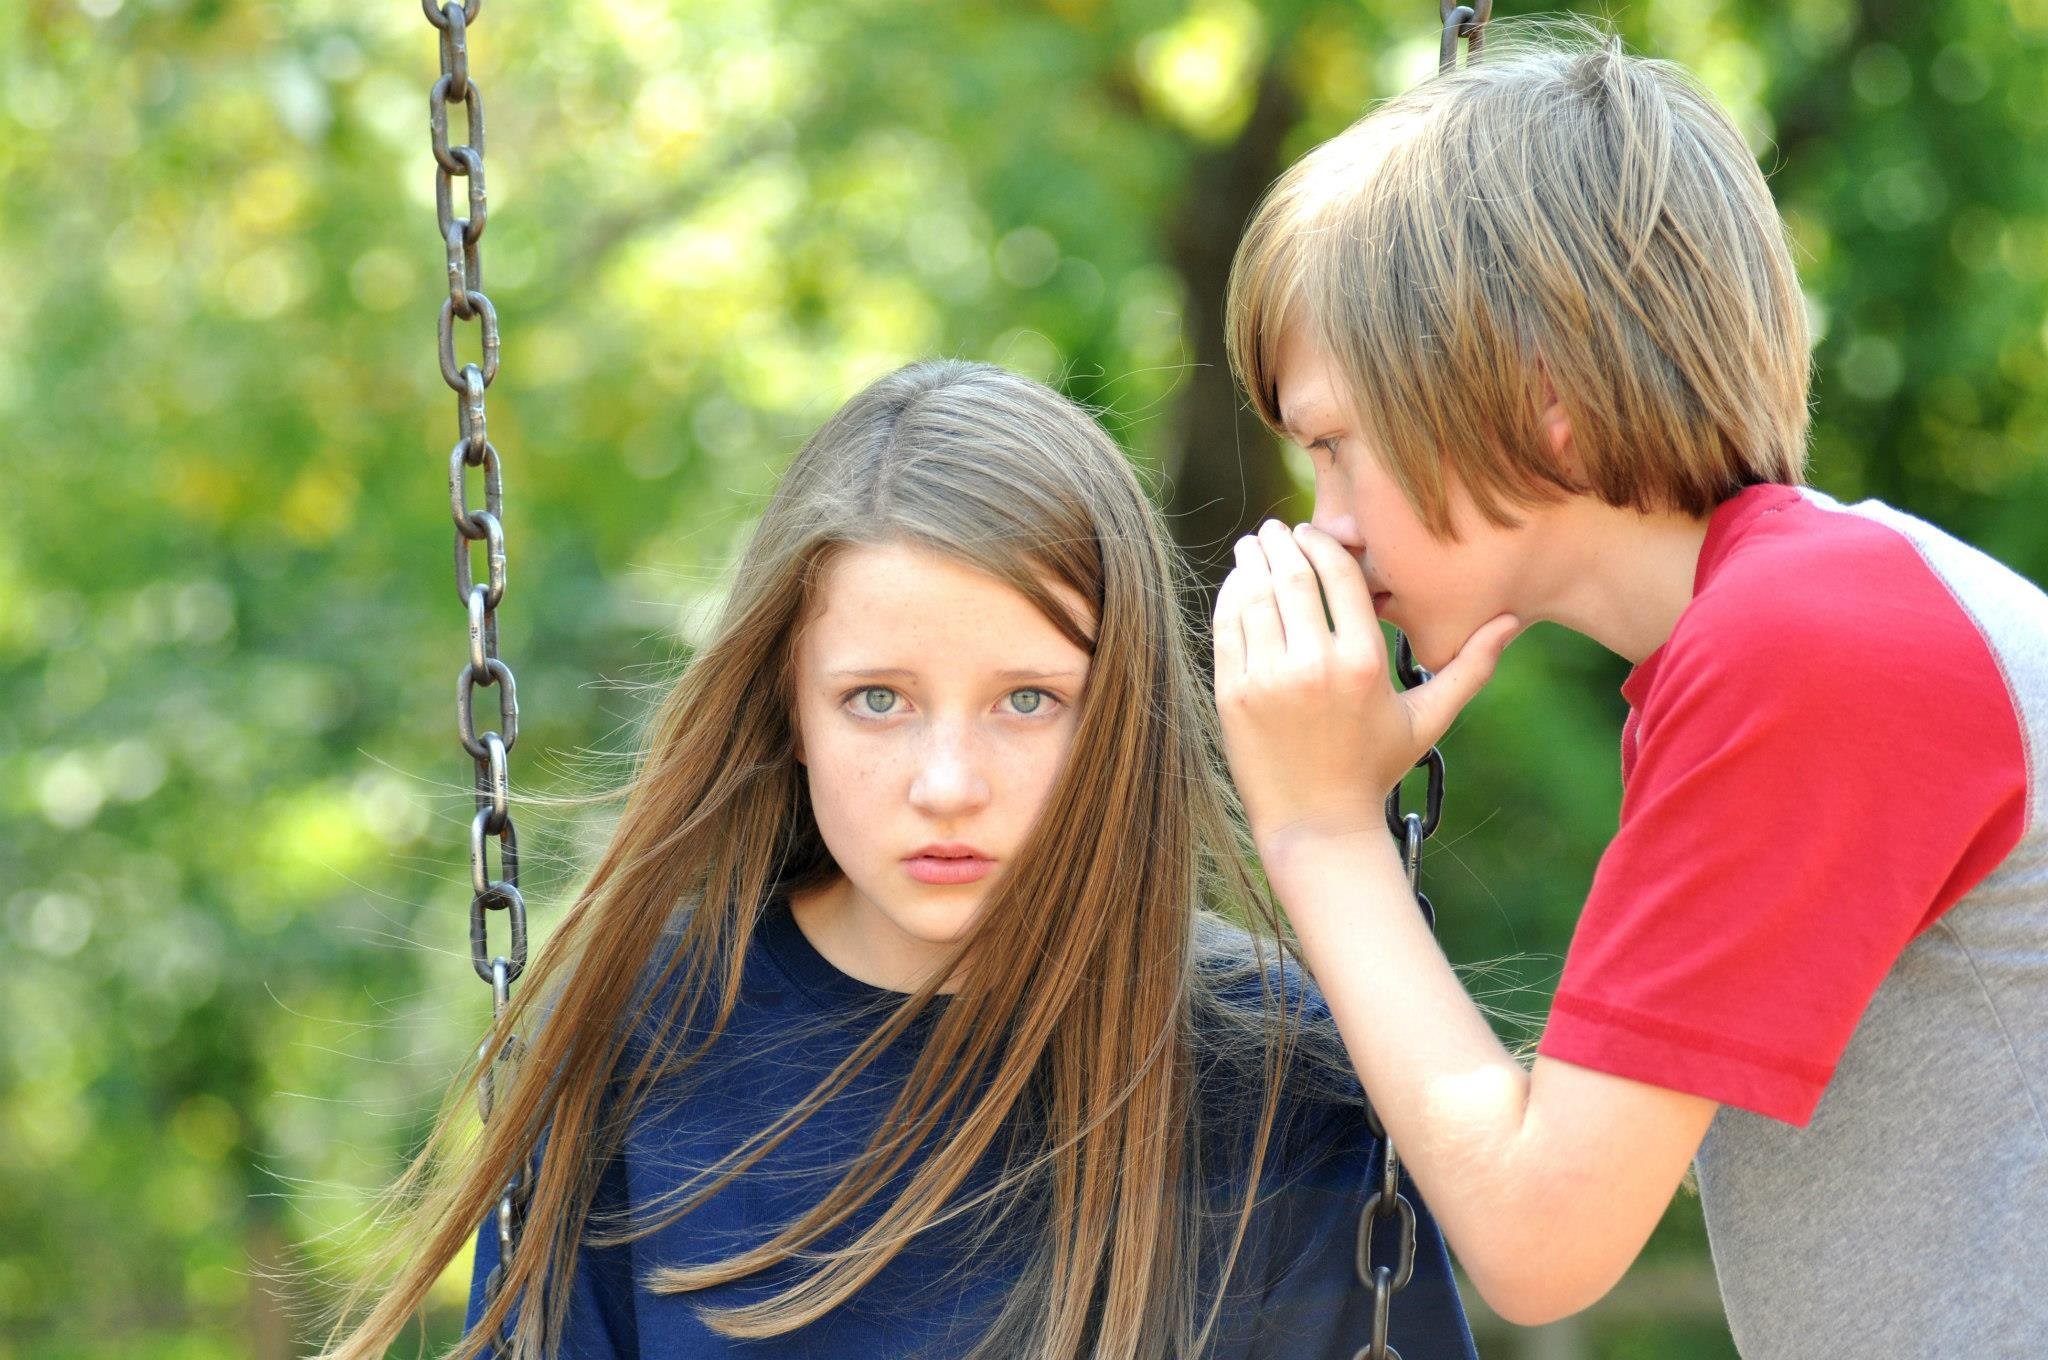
<point x="1032" y="702"/>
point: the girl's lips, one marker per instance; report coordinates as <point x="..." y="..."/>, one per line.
<point x="935" y="869"/>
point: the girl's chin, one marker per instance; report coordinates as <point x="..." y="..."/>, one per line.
<point x="939" y="922"/>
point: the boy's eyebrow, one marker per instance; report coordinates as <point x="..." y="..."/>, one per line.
<point x="1294" y="421"/>
<point x="1018" y="673"/>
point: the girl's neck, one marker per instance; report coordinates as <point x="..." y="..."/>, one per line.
<point x="857" y="938"/>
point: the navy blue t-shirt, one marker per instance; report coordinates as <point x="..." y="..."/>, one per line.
<point x="1293" y="1292"/>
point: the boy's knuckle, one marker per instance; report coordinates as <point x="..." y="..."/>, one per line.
<point x="1309" y="670"/>
<point x="1353" y="664"/>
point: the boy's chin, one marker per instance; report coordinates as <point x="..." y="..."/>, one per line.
<point x="1424" y="649"/>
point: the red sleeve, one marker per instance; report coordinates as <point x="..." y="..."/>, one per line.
<point x="1806" y="796"/>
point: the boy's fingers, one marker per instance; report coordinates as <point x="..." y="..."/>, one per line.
<point x="1264" y="640"/>
<point x="1294" y="586"/>
<point x="1227" y="633"/>
<point x="1433" y="706"/>
<point x="1343" y="584"/>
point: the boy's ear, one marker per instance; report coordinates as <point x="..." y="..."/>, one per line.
<point x="1557" y="428"/>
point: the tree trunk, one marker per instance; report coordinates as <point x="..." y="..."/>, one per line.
<point x="1229" y="476"/>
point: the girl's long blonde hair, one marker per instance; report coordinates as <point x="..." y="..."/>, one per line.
<point x="1105" y="982"/>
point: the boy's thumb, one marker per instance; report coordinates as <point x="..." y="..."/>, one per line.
<point x="1508" y="629"/>
<point x="1437" y="703"/>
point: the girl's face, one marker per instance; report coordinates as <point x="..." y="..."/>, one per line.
<point x="1436" y="592"/>
<point x="935" y="706"/>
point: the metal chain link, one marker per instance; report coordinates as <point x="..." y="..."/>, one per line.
<point x="462" y="237"/>
<point x="1411" y="829"/>
<point x="1387" y="1201"/>
<point x="1461" y="21"/>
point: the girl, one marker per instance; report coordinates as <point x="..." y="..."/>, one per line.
<point x="922" y="1002"/>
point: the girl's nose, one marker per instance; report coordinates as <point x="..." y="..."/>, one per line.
<point x="949" y="778"/>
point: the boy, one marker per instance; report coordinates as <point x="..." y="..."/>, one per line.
<point x="1538" y="326"/>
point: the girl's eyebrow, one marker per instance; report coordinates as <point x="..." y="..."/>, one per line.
<point x="1013" y="674"/>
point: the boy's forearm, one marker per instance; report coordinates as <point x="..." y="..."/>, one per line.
<point x="1451" y="1098"/>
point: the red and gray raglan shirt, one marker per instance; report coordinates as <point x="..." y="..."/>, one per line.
<point x="1827" y="908"/>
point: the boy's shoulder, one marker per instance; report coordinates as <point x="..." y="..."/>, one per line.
<point x="1805" y="593"/>
<point x="1787" y="566"/>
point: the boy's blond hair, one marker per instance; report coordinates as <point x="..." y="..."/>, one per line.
<point x="1559" y="208"/>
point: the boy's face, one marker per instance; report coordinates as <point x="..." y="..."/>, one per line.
<point x="1436" y="592"/>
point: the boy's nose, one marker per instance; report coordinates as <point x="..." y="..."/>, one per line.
<point x="1343" y="528"/>
<point x="1339" y="523"/>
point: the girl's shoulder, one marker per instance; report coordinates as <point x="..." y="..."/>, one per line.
<point x="1253" y="1004"/>
<point x="1246" y="982"/>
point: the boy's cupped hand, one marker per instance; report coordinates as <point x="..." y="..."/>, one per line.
<point x="1315" y="732"/>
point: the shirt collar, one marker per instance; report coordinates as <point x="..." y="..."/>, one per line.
<point x="1724" y="529"/>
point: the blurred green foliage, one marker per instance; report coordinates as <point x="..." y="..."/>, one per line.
<point x="234" y="808"/>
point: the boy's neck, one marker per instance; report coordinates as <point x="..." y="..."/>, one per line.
<point x="1618" y="576"/>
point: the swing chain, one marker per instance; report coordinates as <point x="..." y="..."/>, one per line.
<point x="1461" y="21"/>
<point x="1411" y="829"/>
<point x="462" y="238"/>
<point x="1387" y="1201"/>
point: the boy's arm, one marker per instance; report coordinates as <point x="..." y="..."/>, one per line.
<point x="1546" y="1183"/>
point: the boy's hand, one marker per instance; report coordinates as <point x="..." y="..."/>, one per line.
<point x="1316" y="734"/>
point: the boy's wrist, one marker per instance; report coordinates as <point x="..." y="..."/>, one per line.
<point x="1318" y="849"/>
